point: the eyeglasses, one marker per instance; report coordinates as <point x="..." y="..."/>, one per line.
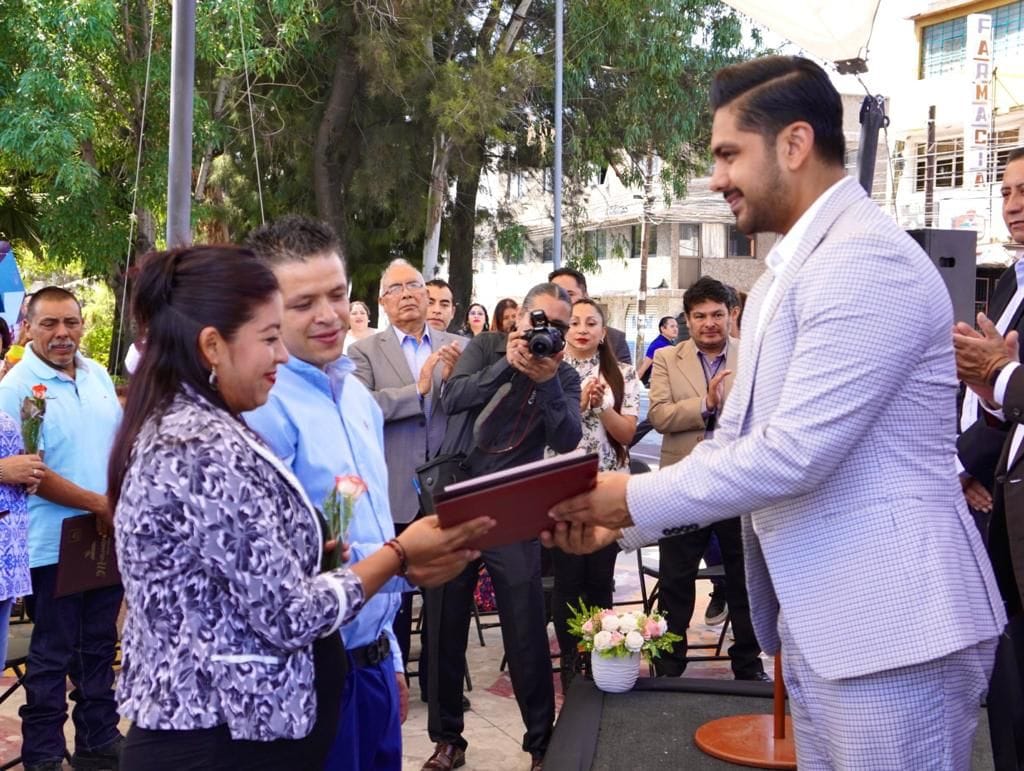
<point x="396" y="289"/>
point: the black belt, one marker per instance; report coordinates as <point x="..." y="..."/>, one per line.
<point x="371" y="655"/>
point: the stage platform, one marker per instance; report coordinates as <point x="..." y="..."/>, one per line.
<point x="652" y="726"/>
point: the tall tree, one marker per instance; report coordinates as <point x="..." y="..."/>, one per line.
<point x="636" y="84"/>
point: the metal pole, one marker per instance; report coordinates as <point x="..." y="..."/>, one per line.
<point x="556" y="255"/>
<point x="179" y="158"/>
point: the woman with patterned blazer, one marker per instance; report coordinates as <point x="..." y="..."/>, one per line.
<point x="231" y="656"/>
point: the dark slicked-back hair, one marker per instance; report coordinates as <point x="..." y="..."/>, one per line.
<point x="293" y="238"/>
<point x="770" y="93"/>
<point x="49" y="293"/>
<point x="703" y="290"/>
<point x="440" y="283"/>
<point x="1015" y="155"/>
<point x="573" y="273"/>
<point x="549" y="289"/>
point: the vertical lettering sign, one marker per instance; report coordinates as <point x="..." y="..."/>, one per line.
<point x="978" y="118"/>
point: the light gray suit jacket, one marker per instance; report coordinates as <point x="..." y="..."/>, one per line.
<point x="837" y="443"/>
<point x="410" y="437"/>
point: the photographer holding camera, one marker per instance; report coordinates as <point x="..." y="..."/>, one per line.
<point x="507" y="399"/>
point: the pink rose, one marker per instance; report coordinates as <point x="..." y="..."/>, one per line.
<point x="588" y="627"/>
<point x="617" y="638"/>
<point x="350" y="486"/>
<point x="605" y="613"/>
<point x="651" y="629"/>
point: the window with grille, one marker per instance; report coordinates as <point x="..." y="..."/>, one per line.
<point x="943" y="45"/>
<point x="1004" y="144"/>
<point x="689" y="239"/>
<point x="1008" y="33"/>
<point x="943" y="48"/>
<point x="949" y="164"/>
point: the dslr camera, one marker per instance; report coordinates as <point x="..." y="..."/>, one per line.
<point x="541" y="338"/>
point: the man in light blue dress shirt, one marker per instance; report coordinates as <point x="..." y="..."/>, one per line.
<point x="324" y="423"/>
<point x="74" y="635"/>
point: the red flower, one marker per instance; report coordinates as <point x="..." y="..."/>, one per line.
<point x="39" y="391"/>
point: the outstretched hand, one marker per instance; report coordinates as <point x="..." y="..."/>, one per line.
<point x="604" y="505"/>
<point x="578" y="539"/>
<point x="435" y="554"/>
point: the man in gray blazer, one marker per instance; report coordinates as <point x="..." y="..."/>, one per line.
<point x="404" y="367"/>
<point x="835" y="447"/>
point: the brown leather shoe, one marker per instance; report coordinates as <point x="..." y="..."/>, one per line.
<point x="446" y="757"/>
<point x="537" y="763"/>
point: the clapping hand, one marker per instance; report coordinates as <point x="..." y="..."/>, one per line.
<point x="979" y="353"/>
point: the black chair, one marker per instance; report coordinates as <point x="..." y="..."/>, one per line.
<point x="649" y="599"/>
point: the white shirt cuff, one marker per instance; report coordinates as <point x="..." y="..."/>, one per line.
<point x="1002" y="382"/>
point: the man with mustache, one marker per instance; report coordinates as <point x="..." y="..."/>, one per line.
<point x="440" y="304"/>
<point x="834" y="448"/>
<point x="689" y="384"/>
<point x="73" y="636"/>
<point x="991" y="370"/>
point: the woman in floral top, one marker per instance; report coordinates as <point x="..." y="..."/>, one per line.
<point x="231" y="654"/>
<point x="20" y="475"/>
<point x="609" y="406"/>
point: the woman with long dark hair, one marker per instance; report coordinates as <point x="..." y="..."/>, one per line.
<point x="609" y="406"/>
<point x="505" y="314"/>
<point x="231" y="653"/>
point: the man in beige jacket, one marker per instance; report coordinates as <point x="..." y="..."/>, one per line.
<point x="689" y="384"/>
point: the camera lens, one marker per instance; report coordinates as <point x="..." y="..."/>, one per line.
<point x="541" y="344"/>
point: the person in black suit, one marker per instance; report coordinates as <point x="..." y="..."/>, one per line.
<point x="991" y="453"/>
<point x="575" y="285"/>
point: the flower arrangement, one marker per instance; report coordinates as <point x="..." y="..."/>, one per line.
<point x="32" y="410"/>
<point x="339" y="509"/>
<point x="610" y="634"/>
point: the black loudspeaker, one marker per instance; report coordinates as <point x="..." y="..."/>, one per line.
<point x="954" y="253"/>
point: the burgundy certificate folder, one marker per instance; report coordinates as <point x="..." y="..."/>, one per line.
<point x="519" y="498"/>
<point x="87" y="560"/>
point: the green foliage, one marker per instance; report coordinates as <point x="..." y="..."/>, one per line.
<point x="512" y="243"/>
<point x="98" y="312"/>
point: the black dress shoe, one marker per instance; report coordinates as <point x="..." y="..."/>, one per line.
<point x="757" y="677"/>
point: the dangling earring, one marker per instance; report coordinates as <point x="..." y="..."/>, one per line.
<point x="213" y="378"/>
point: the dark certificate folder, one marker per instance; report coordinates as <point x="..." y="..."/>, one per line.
<point x="87" y="560"/>
<point x="518" y="498"/>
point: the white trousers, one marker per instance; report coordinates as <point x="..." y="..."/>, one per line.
<point x="914" y="718"/>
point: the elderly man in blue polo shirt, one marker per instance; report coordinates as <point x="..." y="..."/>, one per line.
<point x="324" y="423"/>
<point x="74" y="636"/>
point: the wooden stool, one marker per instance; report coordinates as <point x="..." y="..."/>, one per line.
<point x="763" y="741"/>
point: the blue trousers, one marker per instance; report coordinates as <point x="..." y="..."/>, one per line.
<point x="370" y="733"/>
<point x="5" y="621"/>
<point x="73" y="636"/>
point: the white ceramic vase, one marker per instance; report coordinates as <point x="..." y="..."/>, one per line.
<point x="616" y="674"/>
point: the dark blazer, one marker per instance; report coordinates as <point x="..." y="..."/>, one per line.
<point x="980" y="446"/>
<point x="410" y="437"/>
<point x="1006" y="531"/>
<point x="617" y="339"/>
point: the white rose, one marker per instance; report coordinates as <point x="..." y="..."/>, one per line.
<point x="627" y="623"/>
<point x="602" y="641"/>
<point x="610" y="623"/>
<point x="634" y="641"/>
<point x="662" y="625"/>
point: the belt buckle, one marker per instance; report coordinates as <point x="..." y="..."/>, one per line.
<point x="377" y="651"/>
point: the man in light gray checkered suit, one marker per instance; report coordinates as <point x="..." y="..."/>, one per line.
<point x="836" y="445"/>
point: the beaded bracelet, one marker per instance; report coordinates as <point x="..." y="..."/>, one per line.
<point x="403" y="564"/>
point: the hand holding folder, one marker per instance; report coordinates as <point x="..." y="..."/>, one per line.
<point x="518" y="498"/>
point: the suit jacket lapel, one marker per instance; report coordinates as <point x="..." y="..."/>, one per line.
<point x="846" y="195"/>
<point x="392" y="353"/>
<point x="690" y="367"/>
